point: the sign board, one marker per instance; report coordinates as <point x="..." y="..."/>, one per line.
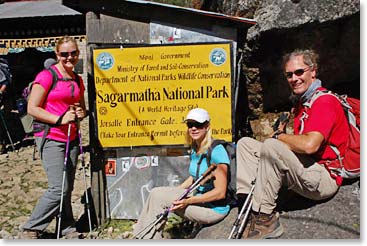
<point x="144" y="93"/>
<point x="131" y="179"/>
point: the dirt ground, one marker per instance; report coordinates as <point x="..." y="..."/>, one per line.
<point x="23" y="181"/>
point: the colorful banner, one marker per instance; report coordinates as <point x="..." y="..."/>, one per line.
<point x="144" y="93"/>
<point x="42" y="44"/>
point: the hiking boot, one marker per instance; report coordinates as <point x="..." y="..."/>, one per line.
<point x="70" y="233"/>
<point x="263" y="226"/>
<point x="29" y="234"/>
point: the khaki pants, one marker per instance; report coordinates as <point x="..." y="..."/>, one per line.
<point x="160" y="198"/>
<point x="273" y="165"/>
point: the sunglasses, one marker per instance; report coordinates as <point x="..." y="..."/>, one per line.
<point x="67" y="54"/>
<point x="298" y="72"/>
<point x="195" y="124"/>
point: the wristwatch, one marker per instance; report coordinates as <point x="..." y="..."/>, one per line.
<point x="277" y="133"/>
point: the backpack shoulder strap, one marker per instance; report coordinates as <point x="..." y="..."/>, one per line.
<point x="315" y="96"/>
<point x="77" y="78"/>
<point x="342" y="100"/>
<point x="212" y="146"/>
<point x="198" y="165"/>
<point x="54" y="79"/>
<point x="308" y="104"/>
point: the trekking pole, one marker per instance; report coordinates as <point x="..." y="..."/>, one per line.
<point x="237" y="233"/>
<point x="63" y="182"/>
<point x="6" y="129"/>
<point x="200" y="181"/>
<point x="84" y="177"/>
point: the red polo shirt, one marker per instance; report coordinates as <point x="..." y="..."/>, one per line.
<point x="326" y="116"/>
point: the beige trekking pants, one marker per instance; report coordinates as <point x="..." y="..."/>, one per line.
<point x="274" y="165"/>
<point x="160" y="198"/>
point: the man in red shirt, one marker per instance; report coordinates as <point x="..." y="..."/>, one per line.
<point x="292" y="160"/>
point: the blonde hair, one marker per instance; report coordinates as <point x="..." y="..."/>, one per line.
<point x="65" y="39"/>
<point x="207" y="141"/>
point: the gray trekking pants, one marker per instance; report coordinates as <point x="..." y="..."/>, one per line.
<point x="162" y="197"/>
<point x="273" y="165"/>
<point x="49" y="204"/>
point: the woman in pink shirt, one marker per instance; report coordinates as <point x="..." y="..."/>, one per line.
<point x="57" y="107"/>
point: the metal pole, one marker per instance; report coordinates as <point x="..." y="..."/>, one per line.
<point x="6" y="129"/>
<point x="245" y="205"/>
<point x="63" y="182"/>
<point x="84" y="176"/>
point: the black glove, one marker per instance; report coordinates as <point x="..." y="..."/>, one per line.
<point x="283" y="118"/>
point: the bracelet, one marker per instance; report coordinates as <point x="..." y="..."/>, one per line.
<point x="277" y="133"/>
<point x="59" y="120"/>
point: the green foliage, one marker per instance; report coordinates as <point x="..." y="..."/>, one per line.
<point x="176" y="228"/>
<point x="121" y="225"/>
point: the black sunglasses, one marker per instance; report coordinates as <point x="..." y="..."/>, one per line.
<point x="298" y="72"/>
<point x="67" y="54"/>
<point x="195" y="124"/>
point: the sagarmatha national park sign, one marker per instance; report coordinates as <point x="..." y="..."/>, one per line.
<point x="144" y="93"/>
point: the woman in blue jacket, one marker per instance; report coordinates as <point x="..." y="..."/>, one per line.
<point x="208" y="205"/>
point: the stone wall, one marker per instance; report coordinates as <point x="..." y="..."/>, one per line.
<point x="331" y="28"/>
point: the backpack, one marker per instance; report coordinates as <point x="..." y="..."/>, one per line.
<point x="232" y="171"/>
<point x="5" y="74"/>
<point x="31" y="125"/>
<point x="5" y="79"/>
<point x="27" y="120"/>
<point x="347" y="165"/>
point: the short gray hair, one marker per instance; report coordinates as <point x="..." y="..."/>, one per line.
<point x="310" y="57"/>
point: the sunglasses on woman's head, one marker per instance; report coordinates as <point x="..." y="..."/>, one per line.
<point x="195" y="124"/>
<point x="298" y="72"/>
<point x="67" y="54"/>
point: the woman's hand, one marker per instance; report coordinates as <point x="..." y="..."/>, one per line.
<point x="79" y="111"/>
<point x="181" y="204"/>
<point x="69" y="116"/>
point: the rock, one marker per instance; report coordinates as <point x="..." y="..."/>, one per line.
<point x="331" y="28"/>
<point x="336" y="218"/>
<point x="220" y="230"/>
<point x="5" y="235"/>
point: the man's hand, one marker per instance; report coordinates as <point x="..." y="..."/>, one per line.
<point x="280" y="125"/>
<point x="281" y="122"/>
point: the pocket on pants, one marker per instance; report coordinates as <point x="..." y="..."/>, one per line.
<point x="311" y="179"/>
